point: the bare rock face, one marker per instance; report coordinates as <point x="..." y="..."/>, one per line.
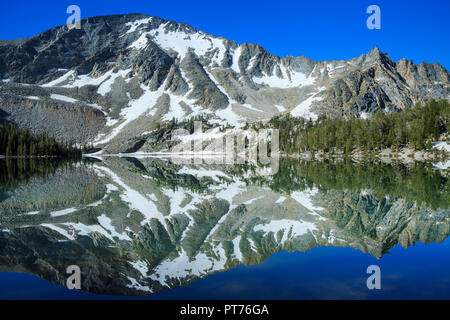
<point x="204" y="91"/>
<point x="118" y="67"/>
<point x="430" y="80"/>
<point x="61" y="119"/>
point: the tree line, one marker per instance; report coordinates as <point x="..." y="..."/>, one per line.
<point x="416" y="128"/>
<point x="15" y="171"/>
<point x="21" y="142"/>
<point x="417" y="182"/>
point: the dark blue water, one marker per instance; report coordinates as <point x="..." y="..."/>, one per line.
<point x="418" y="272"/>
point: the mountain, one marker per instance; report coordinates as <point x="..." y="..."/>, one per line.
<point x="119" y="77"/>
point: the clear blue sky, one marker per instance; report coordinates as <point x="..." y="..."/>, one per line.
<point x="320" y="30"/>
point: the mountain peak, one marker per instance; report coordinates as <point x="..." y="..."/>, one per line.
<point x="135" y="71"/>
<point x="376" y="53"/>
<point x="376" y="49"/>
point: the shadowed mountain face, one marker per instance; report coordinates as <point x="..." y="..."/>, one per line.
<point x="141" y="226"/>
<point x="114" y="79"/>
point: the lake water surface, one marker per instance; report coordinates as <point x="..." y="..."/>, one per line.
<point x="148" y="228"/>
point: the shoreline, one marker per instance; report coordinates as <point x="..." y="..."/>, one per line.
<point x="37" y="157"/>
<point x="387" y="155"/>
<point x="405" y="156"/>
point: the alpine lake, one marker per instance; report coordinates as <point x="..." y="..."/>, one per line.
<point x="149" y="228"/>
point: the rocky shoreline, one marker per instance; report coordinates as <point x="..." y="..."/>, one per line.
<point x="440" y="153"/>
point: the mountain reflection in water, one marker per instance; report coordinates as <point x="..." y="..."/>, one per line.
<point x="142" y="226"/>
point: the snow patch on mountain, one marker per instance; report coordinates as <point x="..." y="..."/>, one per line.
<point x="63" y="98"/>
<point x="290" y="227"/>
<point x="200" y="173"/>
<point x="68" y="75"/>
<point x="136" y="285"/>
<point x="140" y="43"/>
<point x="297" y="79"/>
<point x="140" y="266"/>
<point x="62" y="212"/>
<point x="137" y="201"/>
<point x="441" y="145"/>
<point x="33" y="98"/>
<point x="105" y="87"/>
<point x="280" y="108"/>
<point x="106" y="223"/>
<point x="182" y="42"/>
<point x="135" y="109"/>
<point x="304" y="108"/>
<point x="135" y="24"/>
<point x="235" y="59"/>
<point x="182" y="266"/>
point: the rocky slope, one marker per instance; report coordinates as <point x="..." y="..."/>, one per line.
<point x="115" y="79"/>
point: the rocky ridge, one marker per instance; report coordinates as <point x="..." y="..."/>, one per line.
<point x="118" y="77"/>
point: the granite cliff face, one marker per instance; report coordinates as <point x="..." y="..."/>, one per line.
<point x="138" y="227"/>
<point x="113" y="80"/>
